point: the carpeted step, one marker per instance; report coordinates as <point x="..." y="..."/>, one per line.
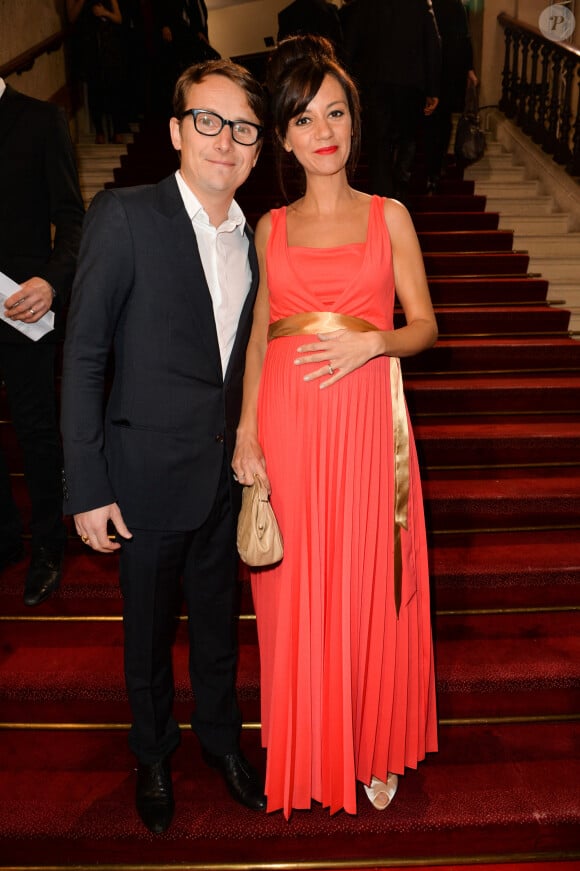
<point x="466" y="240"/>
<point x="446" y="221"/>
<point x="512" y="355"/>
<point x="76" y="676"/>
<point x="505" y="665"/>
<point x="72" y="797"/>
<point x="496" y="394"/>
<point x="469" y="570"/>
<point x="476" y="291"/>
<point x="461" y="263"/>
<point x="529" y="441"/>
<point x="504" y="501"/>
<point x="446" y="203"/>
<point x="498" y="320"/>
<point x="502" y="570"/>
<point x="484" y="669"/>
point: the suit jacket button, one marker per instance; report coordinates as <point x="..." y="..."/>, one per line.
<point x="220" y="438"/>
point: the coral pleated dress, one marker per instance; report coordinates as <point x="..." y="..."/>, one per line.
<point x="347" y="678"/>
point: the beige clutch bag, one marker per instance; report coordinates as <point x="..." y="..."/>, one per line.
<point x="259" y="538"/>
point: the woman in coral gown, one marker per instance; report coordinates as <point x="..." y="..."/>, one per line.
<point x="347" y="681"/>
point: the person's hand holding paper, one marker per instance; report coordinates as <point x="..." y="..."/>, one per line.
<point x="26" y="307"/>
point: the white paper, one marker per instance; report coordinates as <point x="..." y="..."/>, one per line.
<point x="34" y="331"/>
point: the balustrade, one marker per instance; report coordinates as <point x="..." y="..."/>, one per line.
<point x="541" y="90"/>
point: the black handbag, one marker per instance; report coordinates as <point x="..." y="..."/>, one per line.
<point x="469" y="137"/>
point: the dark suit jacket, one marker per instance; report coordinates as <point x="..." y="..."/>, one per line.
<point x="38" y="186"/>
<point x="310" y="16"/>
<point x="169" y="13"/>
<point x="457" y="50"/>
<point x="170" y="415"/>
<point x="395" y="42"/>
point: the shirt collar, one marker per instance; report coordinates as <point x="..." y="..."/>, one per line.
<point x="2" y="87"/>
<point x="235" y="220"/>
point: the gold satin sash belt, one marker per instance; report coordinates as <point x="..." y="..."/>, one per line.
<point x="317" y="322"/>
<point x="325" y="322"/>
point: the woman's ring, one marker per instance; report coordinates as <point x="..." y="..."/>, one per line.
<point x="31" y="310"/>
<point x="330" y="370"/>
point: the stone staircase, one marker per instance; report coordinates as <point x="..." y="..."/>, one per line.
<point x="97" y="163"/>
<point x="540" y="203"/>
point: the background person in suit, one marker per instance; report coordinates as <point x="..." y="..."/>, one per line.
<point x="394" y="52"/>
<point x="40" y="188"/>
<point x="173" y="296"/>
<point x="456" y="72"/>
<point x="182" y="29"/>
<point x="100" y="59"/>
<point x="317" y="17"/>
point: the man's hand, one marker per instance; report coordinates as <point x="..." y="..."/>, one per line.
<point x="30" y="302"/>
<point x="92" y="527"/>
<point x="431" y="104"/>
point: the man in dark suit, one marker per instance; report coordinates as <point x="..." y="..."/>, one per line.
<point x="394" y="52"/>
<point x="183" y="30"/>
<point x="167" y="277"/>
<point x="310" y="16"/>
<point x="39" y="188"/>
<point x="456" y="74"/>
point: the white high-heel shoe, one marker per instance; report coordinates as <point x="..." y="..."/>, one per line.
<point x="381" y="794"/>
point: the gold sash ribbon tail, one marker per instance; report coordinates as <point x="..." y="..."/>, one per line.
<point x="324" y="322"/>
<point x="401" y="449"/>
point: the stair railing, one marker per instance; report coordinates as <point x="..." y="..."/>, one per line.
<point x="541" y="90"/>
<point x="25" y="61"/>
<point x="68" y="95"/>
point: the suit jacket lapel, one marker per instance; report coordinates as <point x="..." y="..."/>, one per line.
<point x="195" y="290"/>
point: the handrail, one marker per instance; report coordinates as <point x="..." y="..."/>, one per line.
<point x="25" y="61"/>
<point x="508" y="21"/>
<point x="540" y="90"/>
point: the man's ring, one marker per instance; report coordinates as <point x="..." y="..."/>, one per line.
<point x="330" y="370"/>
<point x="85" y="539"/>
<point x="31" y="310"/>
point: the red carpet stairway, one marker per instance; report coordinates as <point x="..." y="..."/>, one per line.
<point x="496" y="410"/>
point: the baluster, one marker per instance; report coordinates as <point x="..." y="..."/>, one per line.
<point x="551" y="142"/>
<point x="523" y="90"/>
<point x="574" y="166"/>
<point x="505" y="76"/>
<point x="543" y="97"/>
<point x="513" y="89"/>
<point x="531" y="124"/>
<point x="563" y="152"/>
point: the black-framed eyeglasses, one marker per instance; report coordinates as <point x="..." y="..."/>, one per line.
<point x="211" y="124"/>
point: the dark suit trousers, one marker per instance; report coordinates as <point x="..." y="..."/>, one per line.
<point x="392" y="117"/>
<point x="152" y="564"/>
<point x="28" y="372"/>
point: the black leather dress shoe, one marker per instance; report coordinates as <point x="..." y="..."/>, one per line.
<point x="154" y="797"/>
<point x="242" y="781"/>
<point x="43" y="576"/>
<point x="11" y="555"/>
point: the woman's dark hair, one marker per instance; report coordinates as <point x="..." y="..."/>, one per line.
<point x="294" y="74"/>
<point x="234" y="72"/>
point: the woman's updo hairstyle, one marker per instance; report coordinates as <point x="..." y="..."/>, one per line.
<point x="294" y="73"/>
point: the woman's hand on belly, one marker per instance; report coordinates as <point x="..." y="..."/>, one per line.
<point x="339" y="353"/>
